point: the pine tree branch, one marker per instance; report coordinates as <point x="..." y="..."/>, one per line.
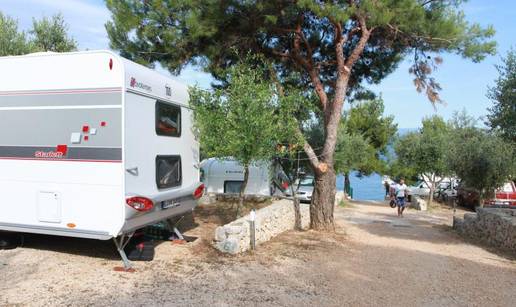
<point x="307" y="63"/>
<point x="359" y="48"/>
<point x="332" y="115"/>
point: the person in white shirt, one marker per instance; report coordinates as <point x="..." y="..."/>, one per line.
<point x="401" y="191"/>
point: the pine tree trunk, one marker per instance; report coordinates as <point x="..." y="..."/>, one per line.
<point x="323" y="201"/>
<point x="242" y="190"/>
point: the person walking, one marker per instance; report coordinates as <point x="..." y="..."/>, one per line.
<point x="387" y="187"/>
<point x="401" y="191"/>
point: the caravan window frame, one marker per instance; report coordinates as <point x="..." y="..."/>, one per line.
<point x="160" y="105"/>
<point x="178" y="182"/>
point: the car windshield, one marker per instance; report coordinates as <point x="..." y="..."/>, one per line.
<point x="417" y="184"/>
<point x="306" y="182"/>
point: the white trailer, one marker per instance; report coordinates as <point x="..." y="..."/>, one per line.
<point x="225" y="176"/>
<point x="93" y="146"/>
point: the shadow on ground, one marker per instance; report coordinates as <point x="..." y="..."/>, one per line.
<point x="309" y="268"/>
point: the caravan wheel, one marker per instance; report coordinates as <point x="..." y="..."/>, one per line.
<point x="9" y="240"/>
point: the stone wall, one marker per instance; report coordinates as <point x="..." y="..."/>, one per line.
<point x="496" y="227"/>
<point x="270" y="221"/>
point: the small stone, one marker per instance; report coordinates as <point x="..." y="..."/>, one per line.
<point x="220" y="234"/>
<point x="231" y="245"/>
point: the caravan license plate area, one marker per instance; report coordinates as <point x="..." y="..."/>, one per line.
<point x="172" y="203"/>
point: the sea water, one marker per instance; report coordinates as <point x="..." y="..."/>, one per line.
<point x="365" y="187"/>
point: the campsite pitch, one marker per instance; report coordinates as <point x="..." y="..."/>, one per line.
<point x="375" y="258"/>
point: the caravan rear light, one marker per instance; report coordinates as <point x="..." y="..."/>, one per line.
<point x="140" y="203"/>
<point x="199" y="191"/>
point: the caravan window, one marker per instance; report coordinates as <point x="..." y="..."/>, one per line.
<point x="168" y="171"/>
<point x="168" y="119"/>
<point x="232" y="187"/>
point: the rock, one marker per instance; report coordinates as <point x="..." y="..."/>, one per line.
<point x="339" y="197"/>
<point x="419" y="203"/>
<point x="220" y="234"/>
<point x="457" y="222"/>
<point x="470" y="216"/>
<point x="207" y="199"/>
<point x="230" y="245"/>
<point x="496" y="227"/>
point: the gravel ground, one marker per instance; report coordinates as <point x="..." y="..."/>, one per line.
<point x="374" y="258"/>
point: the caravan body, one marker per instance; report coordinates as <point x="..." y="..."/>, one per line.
<point x="92" y="145"/>
<point x="225" y="176"/>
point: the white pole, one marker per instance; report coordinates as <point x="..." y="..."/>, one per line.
<point x="252" y="218"/>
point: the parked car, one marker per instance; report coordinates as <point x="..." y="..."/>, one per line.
<point x="467" y="197"/>
<point x="419" y="189"/>
<point x="446" y="190"/>
<point x="505" y="197"/>
<point x="305" y="189"/>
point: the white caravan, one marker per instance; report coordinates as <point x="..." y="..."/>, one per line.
<point x="225" y="176"/>
<point x="93" y="146"/>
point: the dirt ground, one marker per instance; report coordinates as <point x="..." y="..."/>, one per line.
<point x="374" y="258"/>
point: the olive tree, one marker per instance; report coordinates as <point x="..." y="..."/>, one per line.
<point x="46" y="34"/>
<point x="481" y="159"/>
<point x="426" y="151"/>
<point x="245" y="121"/>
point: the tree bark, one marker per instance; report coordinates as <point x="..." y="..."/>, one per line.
<point x="242" y="190"/>
<point x="323" y="201"/>
<point x="431" y="196"/>
<point x="297" y="208"/>
<point x="321" y="208"/>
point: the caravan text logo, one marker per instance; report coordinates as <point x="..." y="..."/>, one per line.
<point x="140" y="85"/>
<point x="59" y="153"/>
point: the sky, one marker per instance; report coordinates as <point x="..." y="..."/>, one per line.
<point x="464" y="83"/>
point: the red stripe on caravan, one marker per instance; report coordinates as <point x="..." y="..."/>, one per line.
<point x="61" y="160"/>
<point x="76" y="91"/>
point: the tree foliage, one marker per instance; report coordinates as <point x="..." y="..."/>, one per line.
<point x="502" y="115"/>
<point x="292" y="32"/>
<point x="51" y="34"/>
<point x="47" y="34"/>
<point x="353" y="152"/>
<point x="426" y="152"/>
<point x="367" y="119"/>
<point x="246" y="121"/>
<point x="12" y="41"/>
<point x="335" y="47"/>
<point x="482" y="160"/>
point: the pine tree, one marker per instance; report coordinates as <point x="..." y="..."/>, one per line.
<point x="334" y="46"/>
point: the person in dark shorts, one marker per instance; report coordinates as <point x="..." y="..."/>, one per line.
<point x="387" y="187"/>
<point x="401" y="191"/>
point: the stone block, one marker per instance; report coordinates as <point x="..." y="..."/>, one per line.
<point x="418" y="203"/>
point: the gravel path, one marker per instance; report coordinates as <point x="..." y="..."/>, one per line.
<point x="375" y="258"/>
